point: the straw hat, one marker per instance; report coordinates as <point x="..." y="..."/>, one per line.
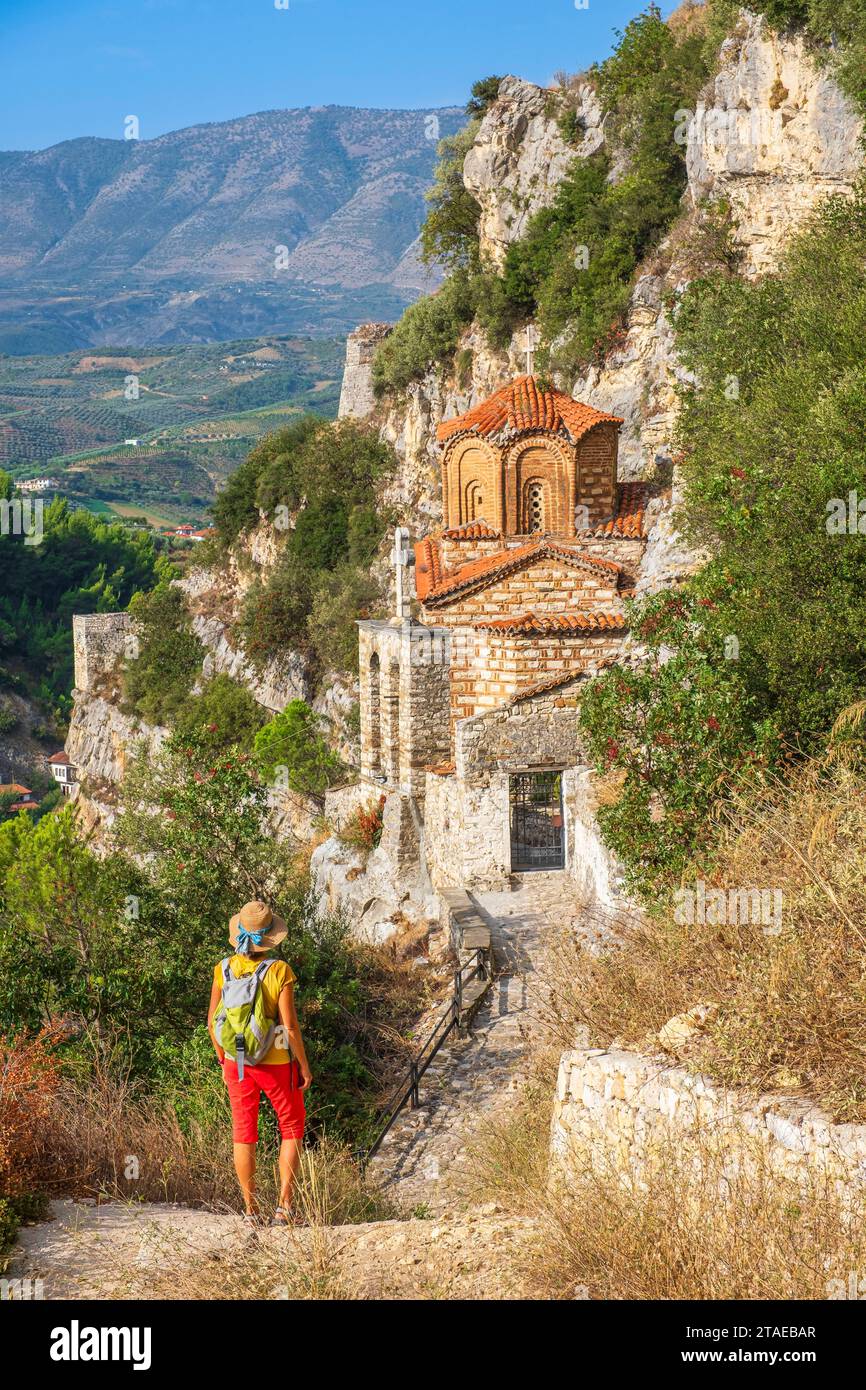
<point x="256" y="928"/>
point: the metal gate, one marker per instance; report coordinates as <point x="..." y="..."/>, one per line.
<point x="537" y="840"/>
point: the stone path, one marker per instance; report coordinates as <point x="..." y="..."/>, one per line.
<point x="422" y="1162"/>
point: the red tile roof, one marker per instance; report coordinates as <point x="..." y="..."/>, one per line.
<point x="629" y="518"/>
<point x="428" y="567"/>
<point x="524" y="405"/>
<point x="7" y="787"/>
<point x="491" y="567"/>
<point x="552" y="683"/>
<point x="530" y="623"/>
<point x="60" y="758"/>
<point x="472" y="531"/>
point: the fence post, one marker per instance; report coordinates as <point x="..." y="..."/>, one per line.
<point x="414" y="1098"/>
<point x="458" y="1000"/>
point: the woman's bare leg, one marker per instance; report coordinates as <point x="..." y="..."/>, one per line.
<point x="290" y="1158"/>
<point x="245" y="1167"/>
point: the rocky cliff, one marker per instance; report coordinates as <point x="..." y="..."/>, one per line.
<point x="772" y="135"/>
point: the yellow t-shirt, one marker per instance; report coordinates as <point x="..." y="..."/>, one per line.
<point x="276" y="977"/>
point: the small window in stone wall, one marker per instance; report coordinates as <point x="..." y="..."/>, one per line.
<point x="533" y="520"/>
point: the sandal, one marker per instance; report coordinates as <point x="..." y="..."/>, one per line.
<point x="284" y="1216"/>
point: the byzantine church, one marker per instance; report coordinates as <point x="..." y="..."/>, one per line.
<point x="469" y="692"/>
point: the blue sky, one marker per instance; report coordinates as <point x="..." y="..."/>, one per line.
<point x="79" y="67"/>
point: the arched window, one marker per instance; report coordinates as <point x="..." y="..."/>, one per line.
<point x="474" y="502"/>
<point x="375" y="720"/>
<point x="533" y="508"/>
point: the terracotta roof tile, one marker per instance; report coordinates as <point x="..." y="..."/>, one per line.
<point x="531" y="623"/>
<point x="490" y="567"/>
<point x="472" y="531"/>
<point x="60" y="757"/>
<point x="629" y="518"/>
<point x="552" y="683"/>
<point x="523" y="405"/>
<point x="428" y="566"/>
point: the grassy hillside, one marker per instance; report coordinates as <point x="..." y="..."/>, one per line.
<point x="195" y="410"/>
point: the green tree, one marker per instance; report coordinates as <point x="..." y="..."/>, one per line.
<point x="157" y="681"/>
<point x="224" y="712"/>
<point x="293" y="741"/>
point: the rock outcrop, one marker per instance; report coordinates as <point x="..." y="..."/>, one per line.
<point x="519" y="158"/>
<point x="774" y="135"/>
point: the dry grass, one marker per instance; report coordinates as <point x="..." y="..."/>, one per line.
<point x="110" y="1140"/>
<point x="689" y="1224"/>
<point x="791" y="1006"/>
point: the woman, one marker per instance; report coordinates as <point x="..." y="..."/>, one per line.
<point x="253" y="932"/>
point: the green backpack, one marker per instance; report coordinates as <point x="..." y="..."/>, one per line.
<point x="240" y="1024"/>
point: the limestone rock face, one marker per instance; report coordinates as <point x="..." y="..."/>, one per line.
<point x="273" y="686"/>
<point x="102" y="739"/>
<point x="519" y="158"/>
<point x="775" y="135"/>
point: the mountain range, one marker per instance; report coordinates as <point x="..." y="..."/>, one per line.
<point x="282" y="221"/>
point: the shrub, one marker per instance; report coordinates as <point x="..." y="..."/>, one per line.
<point x="672" y="737"/>
<point x="293" y="741"/>
<point x="274" y="613"/>
<point x="427" y="334"/>
<point x="770" y="435"/>
<point x="225" y="712"/>
<point x="29" y="1076"/>
<point x="338" y="600"/>
<point x="157" y="681"/>
<point x="363" y="829"/>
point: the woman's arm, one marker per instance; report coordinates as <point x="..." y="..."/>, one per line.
<point x="215" y="995"/>
<point x="289" y="1020"/>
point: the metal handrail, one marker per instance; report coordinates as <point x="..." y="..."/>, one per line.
<point x="408" y="1089"/>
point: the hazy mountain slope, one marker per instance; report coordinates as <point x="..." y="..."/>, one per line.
<point x="211" y="203"/>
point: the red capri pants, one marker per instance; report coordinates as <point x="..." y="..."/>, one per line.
<point x="276" y="1080"/>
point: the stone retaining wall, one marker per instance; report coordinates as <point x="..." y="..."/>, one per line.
<point x="622" y="1104"/>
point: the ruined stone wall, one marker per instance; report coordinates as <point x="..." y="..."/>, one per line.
<point x="623" y="1106"/>
<point x="99" y="641"/>
<point x="356" y="393"/>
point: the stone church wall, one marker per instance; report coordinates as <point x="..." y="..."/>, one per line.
<point x="466" y="832"/>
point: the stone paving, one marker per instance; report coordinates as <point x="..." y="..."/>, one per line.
<point x="422" y="1162"/>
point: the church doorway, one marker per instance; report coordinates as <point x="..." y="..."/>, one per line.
<point x="537" y="836"/>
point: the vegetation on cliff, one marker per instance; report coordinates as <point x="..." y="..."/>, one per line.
<point x="81" y="565"/>
<point x="765" y="647"/>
